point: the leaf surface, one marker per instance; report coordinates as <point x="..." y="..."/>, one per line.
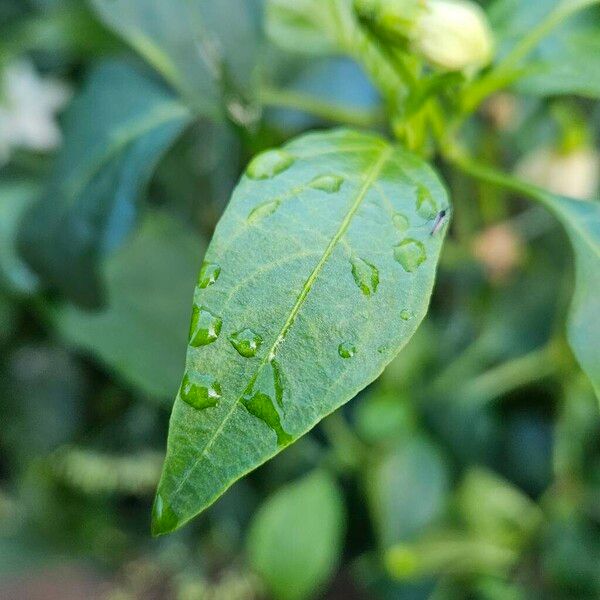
<point x="91" y="201"/>
<point x="319" y="272"/>
<point x="309" y="513"/>
<point x="204" y="48"/>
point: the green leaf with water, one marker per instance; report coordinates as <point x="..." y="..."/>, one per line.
<point x="208" y="51"/>
<point x="581" y="220"/>
<point x="91" y="201"/>
<point x="317" y="284"/>
<point x="311" y="513"/>
<point x="141" y="333"/>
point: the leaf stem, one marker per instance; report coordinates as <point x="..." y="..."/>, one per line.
<point x="324" y="110"/>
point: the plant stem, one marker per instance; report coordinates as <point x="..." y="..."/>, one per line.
<point x="508" y="69"/>
<point x="319" y="108"/>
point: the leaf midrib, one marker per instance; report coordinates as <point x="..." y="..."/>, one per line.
<point x="368" y="181"/>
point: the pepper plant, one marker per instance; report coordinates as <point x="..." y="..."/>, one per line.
<point x="322" y="266"/>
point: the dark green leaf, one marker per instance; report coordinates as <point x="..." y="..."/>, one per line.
<point x="91" y="202"/>
<point x="295" y="539"/>
<point x="15" y="199"/>
<point x="141" y="334"/>
<point x="205" y="49"/>
<point x="323" y="265"/>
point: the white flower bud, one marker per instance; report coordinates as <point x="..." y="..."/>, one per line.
<point x="454" y="35"/>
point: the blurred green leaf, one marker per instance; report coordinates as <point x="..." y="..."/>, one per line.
<point x="108" y="158"/>
<point x="407" y="489"/>
<point x="141" y="334"/>
<point x="320" y="271"/>
<point x="209" y="51"/>
<point x="566" y="62"/>
<point x="581" y="220"/>
<point x="295" y="540"/>
<point x="15" y="200"/>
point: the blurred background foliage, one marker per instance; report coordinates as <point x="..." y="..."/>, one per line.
<point x="470" y="469"/>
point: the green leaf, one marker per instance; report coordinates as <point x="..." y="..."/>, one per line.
<point x="205" y="49"/>
<point x="581" y="220"/>
<point x="141" y="334"/>
<point x="91" y="200"/>
<point x="408" y="489"/>
<point x="309" y="514"/>
<point x="565" y="62"/>
<point x="320" y="271"/>
<point x="15" y="200"/>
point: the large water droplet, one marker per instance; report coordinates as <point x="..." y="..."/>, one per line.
<point x="401" y="222"/>
<point x="203" y="392"/>
<point x="426" y="205"/>
<point x="346" y="350"/>
<point x="406" y="315"/>
<point x="410" y="254"/>
<point x="263" y="210"/>
<point x="209" y="273"/>
<point x="205" y="327"/>
<point x="246" y="342"/>
<point x="327" y="183"/>
<point x="164" y="519"/>
<point x="365" y="275"/>
<point x="261" y="406"/>
<point x="269" y="163"/>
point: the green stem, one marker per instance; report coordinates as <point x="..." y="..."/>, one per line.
<point x="319" y="108"/>
<point x="511" y="375"/>
<point x="508" y="69"/>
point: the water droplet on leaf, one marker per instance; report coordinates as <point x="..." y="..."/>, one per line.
<point x="204" y="328"/>
<point x="203" y="392"/>
<point x="365" y="275"/>
<point x="269" y="163"/>
<point x="209" y="273"/>
<point x="163" y="517"/>
<point x="263" y="210"/>
<point x="346" y="350"/>
<point x="410" y="254"/>
<point x="327" y="183"/>
<point x="261" y="406"/>
<point x="426" y="205"/>
<point x="246" y="342"/>
<point x="406" y="315"/>
<point x="277" y="382"/>
<point x="400" y="222"/>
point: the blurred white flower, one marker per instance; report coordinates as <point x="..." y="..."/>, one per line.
<point x="28" y="108"/>
<point x="575" y="174"/>
<point x="454" y="35"/>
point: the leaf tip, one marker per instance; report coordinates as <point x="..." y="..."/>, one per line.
<point x="164" y="519"/>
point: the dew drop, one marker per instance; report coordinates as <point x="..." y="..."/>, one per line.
<point x="209" y="273"/>
<point x="400" y="222"/>
<point x="327" y="183"/>
<point x="246" y="342"/>
<point x="262" y="407"/>
<point x="277" y="382"/>
<point x="269" y="163"/>
<point x="203" y="392"/>
<point x="164" y="518"/>
<point x="263" y="210"/>
<point x="426" y="205"/>
<point x="204" y="328"/>
<point x="406" y="315"/>
<point x="346" y="350"/>
<point x="410" y="254"/>
<point x="365" y="275"/>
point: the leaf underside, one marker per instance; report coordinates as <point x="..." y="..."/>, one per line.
<point x="319" y="272"/>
